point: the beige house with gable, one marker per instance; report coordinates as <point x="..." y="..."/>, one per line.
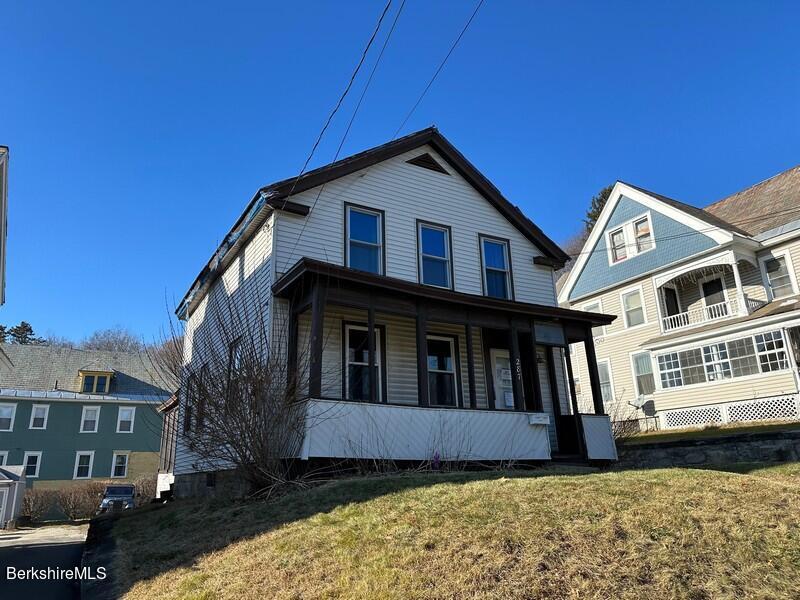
<point x="707" y="305"/>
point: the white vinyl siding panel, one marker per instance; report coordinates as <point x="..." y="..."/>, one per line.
<point x="407" y="193"/>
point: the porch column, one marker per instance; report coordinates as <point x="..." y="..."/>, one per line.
<point x="551" y="376"/>
<point x="422" y="354"/>
<point x="537" y="404"/>
<point x="473" y="402"/>
<point x="317" y="333"/>
<point x="576" y="411"/>
<point x="594" y="377"/>
<point x="742" y="308"/>
<point x="516" y="367"/>
<point x="373" y="380"/>
<point x="291" y="341"/>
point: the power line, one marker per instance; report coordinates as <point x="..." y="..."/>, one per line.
<point x="439" y="68"/>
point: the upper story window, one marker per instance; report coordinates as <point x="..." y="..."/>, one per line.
<point x="95" y="382"/>
<point x="779" y="276"/>
<point x="90" y="419"/>
<point x="39" y="414"/>
<point x="496" y="263"/>
<point x="630" y="239"/>
<point x="364" y="239"/>
<point x="125" y="418"/>
<point x="434" y="255"/>
<point x="632" y="308"/>
<point x="7" y="413"/>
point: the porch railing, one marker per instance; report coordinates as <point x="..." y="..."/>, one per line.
<point x="697" y="316"/>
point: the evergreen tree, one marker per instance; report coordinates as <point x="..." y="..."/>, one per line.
<point x="596" y="207"/>
<point x="3" y="334"/>
<point x="23" y="334"/>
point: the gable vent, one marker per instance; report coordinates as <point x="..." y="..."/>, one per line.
<point x="426" y="161"/>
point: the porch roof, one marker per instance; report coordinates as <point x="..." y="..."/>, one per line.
<point x="307" y="268"/>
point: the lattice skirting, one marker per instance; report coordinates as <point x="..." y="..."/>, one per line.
<point x="775" y="408"/>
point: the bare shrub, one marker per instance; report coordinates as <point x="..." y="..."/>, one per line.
<point x="36" y="503"/>
<point x="80" y="501"/>
<point x="145" y="489"/>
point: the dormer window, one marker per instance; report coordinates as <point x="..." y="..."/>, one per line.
<point x="630" y="239"/>
<point x="95" y="382"/>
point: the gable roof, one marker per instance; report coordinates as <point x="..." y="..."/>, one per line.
<point x="763" y="206"/>
<point x="276" y="195"/>
<point x="47" y="368"/>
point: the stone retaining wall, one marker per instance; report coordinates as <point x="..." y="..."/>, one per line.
<point x="779" y="446"/>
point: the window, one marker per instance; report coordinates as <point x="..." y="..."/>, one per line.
<point x="32" y="462"/>
<point x="83" y="465"/>
<point x="442" y="371"/>
<point x="496" y="269"/>
<point x="7" y="414"/>
<point x="771" y="353"/>
<point x="189" y="399"/>
<point x="3" y="457"/>
<point x="434" y="255"/>
<point x="692" y="366"/>
<point x="90" y="419"/>
<point x="364" y="239"/>
<point x="713" y="291"/>
<point x="743" y="357"/>
<point x="119" y="464"/>
<point x="604" y="374"/>
<point x="357" y="358"/>
<point x="95" y="383"/>
<point x="643" y="374"/>
<point x="670" y="370"/>
<point x="716" y="360"/>
<point x="632" y="308"/>
<point x="600" y="330"/>
<point x="618" y="250"/>
<point x="125" y="419"/>
<point x="780" y="281"/>
<point x="644" y="239"/>
<point x="234" y="358"/>
<point x="39" y="414"/>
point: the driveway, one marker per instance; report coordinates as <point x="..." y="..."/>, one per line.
<point x="55" y="546"/>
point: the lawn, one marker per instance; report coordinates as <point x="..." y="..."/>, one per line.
<point x="668" y="533"/>
<point x="674" y="435"/>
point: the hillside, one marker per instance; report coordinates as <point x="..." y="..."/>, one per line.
<point x="678" y="533"/>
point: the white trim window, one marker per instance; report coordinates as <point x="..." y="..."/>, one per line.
<point x="496" y="267"/>
<point x="631" y="238"/>
<point x="596" y="307"/>
<point x="39" y="414"/>
<point x="90" y="419"/>
<point x="3" y="458"/>
<point x="32" y="461"/>
<point x="119" y="465"/>
<point x="643" y="374"/>
<point x="771" y="351"/>
<point x="434" y="255"/>
<point x="606" y="385"/>
<point x="84" y="459"/>
<point x="8" y="413"/>
<point x="669" y="367"/>
<point x="125" y="418"/>
<point x="364" y="236"/>
<point x="357" y="363"/>
<point x="633" y="308"/>
<point x="442" y="372"/>
<point x="778" y="274"/>
<point x="718" y="365"/>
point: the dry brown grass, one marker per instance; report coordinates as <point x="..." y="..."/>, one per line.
<point x="671" y="533"/>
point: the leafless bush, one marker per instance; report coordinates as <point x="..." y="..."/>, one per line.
<point x="36" y="503"/>
<point x="145" y="489"/>
<point x="80" y="501"/>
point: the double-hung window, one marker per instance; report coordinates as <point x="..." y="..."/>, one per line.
<point x="644" y="238"/>
<point x="780" y="281"/>
<point x="434" y="255"/>
<point x="632" y="308"/>
<point x="90" y="418"/>
<point x="119" y="464"/>
<point x="39" y="414"/>
<point x="83" y="465"/>
<point x="364" y="239"/>
<point x="32" y="461"/>
<point x="771" y="351"/>
<point x="630" y="239"/>
<point x="643" y="374"/>
<point x="496" y="268"/>
<point x="7" y="414"/>
<point x="357" y="363"/>
<point x="604" y="374"/>
<point x="619" y="250"/>
<point x="125" y="418"/>
<point x="717" y="363"/>
<point x="442" y="388"/>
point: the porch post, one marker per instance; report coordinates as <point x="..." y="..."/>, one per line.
<point x="291" y="340"/>
<point x="551" y="376"/>
<point x="742" y="309"/>
<point x="594" y="377"/>
<point x="537" y="385"/>
<point x="473" y="402"/>
<point x="422" y="354"/>
<point x="574" y="398"/>
<point x="516" y="367"/>
<point x="317" y="333"/>
<point x="373" y="380"/>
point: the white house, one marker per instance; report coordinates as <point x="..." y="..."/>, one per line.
<point x="428" y="304"/>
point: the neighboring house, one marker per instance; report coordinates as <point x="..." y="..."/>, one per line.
<point x="68" y="414"/>
<point x="425" y="302"/>
<point x="707" y="302"/>
<point x="12" y="490"/>
<point x="3" y="219"/>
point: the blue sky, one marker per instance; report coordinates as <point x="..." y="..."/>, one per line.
<point x="138" y="131"/>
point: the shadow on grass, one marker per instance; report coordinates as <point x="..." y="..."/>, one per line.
<point x="159" y="538"/>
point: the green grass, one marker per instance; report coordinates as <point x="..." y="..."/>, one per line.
<point x="669" y="533"/>
<point x="707" y="432"/>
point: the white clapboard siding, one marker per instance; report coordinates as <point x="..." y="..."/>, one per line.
<point x="407" y="193"/>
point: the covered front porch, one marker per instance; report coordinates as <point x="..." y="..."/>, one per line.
<point x="408" y="372"/>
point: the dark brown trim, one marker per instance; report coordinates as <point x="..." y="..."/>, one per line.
<point x="449" y="231"/>
<point x="488" y="371"/>
<point x="576" y="412"/>
<point x="345" y="235"/>
<point x="384" y="399"/>
<point x="538" y="404"/>
<point x="317" y="335"/>
<point x="373" y="382"/>
<point x="473" y="398"/>
<point x="594" y="376"/>
<point x="501" y="240"/>
<point x="546" y="261"/>
<point x="422" y="355"/>
<point x="457" y="357"/>
<point x="516" y="367"/>
<point x="301" y="210"/>
<point x="426" y="161"/>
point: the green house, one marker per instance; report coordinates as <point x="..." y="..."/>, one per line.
<point x="69" y="415"/>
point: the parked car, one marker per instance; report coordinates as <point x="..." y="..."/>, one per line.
<point x="118" y="497"/>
